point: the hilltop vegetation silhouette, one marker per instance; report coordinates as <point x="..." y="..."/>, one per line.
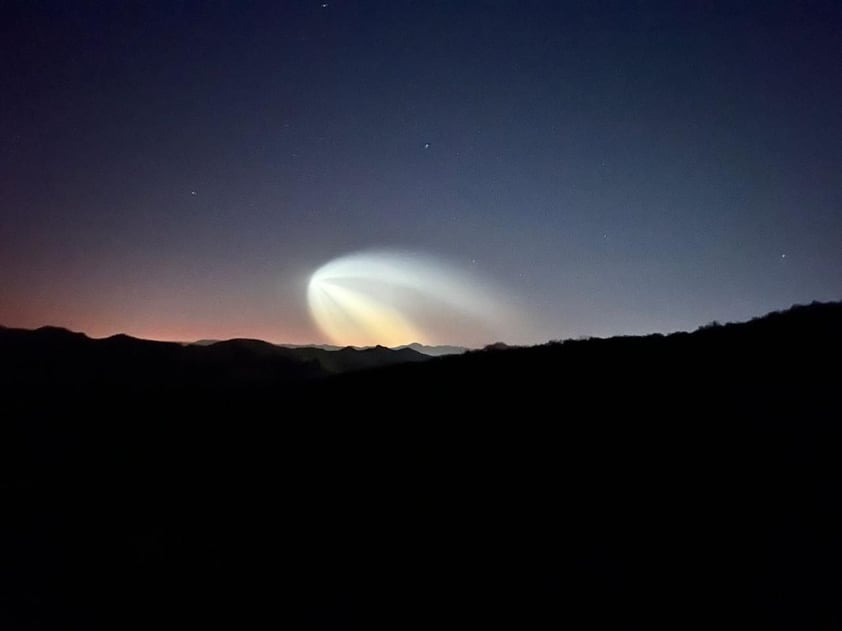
<point x="687" y="480"/>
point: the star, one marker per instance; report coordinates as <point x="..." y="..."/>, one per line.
<point x="193" y="193"/>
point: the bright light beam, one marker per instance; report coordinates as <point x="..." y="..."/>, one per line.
<point x="393" y="298"/>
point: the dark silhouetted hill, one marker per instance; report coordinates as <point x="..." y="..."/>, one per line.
<point x="686" y="481"/>
<point x="51" y="355"/>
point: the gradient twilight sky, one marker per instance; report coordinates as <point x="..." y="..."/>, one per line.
<point x="177" y="170"/>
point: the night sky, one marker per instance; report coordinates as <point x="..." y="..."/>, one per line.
<point x="178" y="170"/>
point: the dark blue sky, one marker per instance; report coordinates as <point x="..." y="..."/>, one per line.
<point x="178" y="169"/>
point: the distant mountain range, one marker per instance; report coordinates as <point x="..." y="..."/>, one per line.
<point x="435" y="351"/>
<point x="56" y="354"/>
<point x="424" y="349"/>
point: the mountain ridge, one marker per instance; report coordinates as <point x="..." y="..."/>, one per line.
<point x="597" y="483"/>
<point x="30" y="354"/>
<point x="49" y="352"/>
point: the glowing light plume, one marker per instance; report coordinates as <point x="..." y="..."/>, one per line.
<point x="394" y="298"/>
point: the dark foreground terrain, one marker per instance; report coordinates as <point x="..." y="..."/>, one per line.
<point x="687" y="481"/>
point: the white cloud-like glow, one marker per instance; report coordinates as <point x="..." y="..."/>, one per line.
<point x="393" y="298"/>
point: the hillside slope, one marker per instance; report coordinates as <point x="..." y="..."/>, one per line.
<point x="683" y="481"/>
